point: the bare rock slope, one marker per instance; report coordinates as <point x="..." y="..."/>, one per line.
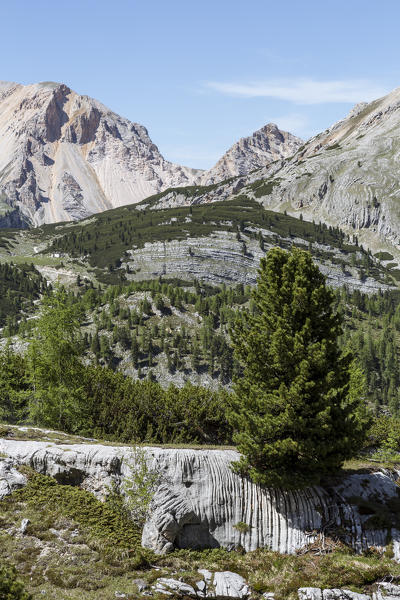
<point x="202" y="503"/>
<point x="64" y="156"/>
<point x="263" y="147"/>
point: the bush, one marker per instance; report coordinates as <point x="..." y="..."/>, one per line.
<point x="10" y="587"/>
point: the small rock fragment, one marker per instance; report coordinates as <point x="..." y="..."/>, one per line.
<point x="169" y="587"/>
<point x="230" y="585"/>
<point x="24" y="525"/>
<point x="141" y="584"/>
<point x="336" y="594"/>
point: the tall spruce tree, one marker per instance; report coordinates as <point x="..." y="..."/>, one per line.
<point x="296" y="409"/>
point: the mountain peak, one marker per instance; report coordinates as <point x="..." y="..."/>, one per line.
<point x="65" y="156"/>
<point x="261" y="148"/>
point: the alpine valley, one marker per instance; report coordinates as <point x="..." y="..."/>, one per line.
<point x="121" y="275"/>
<point x="177" y="249"/>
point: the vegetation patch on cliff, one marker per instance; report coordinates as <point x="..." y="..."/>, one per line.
<point x="73" y="545"/>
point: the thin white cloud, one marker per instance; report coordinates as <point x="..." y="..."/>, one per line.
<point x="293" y="122"/>
<point x="303" y="91"/>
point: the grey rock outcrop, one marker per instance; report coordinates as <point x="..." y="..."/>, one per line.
<point x="332" y="594"/>
<point x="10" y="478"/>
<point x="385" y="591"/>
<point x="219" y="258"/>
<point x="310" y="593"/>
<point x="201" y="500"/>
<point x="263" y="147"/>
<point x="24" y="525"/>
<point x="169" y="586"/>
<point x="221" y="584"/>
<point x="230" y="585"/>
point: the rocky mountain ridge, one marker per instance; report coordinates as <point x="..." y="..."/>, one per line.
<point x="64" y="156"/>
<point x="263" y="147"/>
<point x="346" y="176"/>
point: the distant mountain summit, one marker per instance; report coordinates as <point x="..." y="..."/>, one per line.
<point x="64" y="156"/>
<point x="259" y="149"/>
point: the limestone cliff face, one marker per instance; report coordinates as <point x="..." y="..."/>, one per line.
<point x="64" y="156"/>
<point x="347" y="175"/>
<point x="219" y="258"/>
<point x="200" y="501"/>
<point x="263" y="147"/>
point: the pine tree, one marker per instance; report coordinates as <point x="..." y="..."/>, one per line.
<point x="294" y="412"/>
<point x="95" y="346"/>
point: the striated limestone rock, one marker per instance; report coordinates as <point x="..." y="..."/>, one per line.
<point x="218" y="258"/>
<point x="200" y="500"/>
<point x="230" y="585"/>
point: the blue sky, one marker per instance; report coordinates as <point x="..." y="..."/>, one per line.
<point x="200" y="75"/>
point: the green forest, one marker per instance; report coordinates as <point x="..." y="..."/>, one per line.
<point x="142" y="324"/>
<point x="106" y="239"/>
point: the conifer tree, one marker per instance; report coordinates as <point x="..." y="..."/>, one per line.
<point x="294" y="412"/>
<point x="54" y="363"/>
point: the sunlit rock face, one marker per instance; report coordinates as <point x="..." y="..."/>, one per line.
<point x="263" y="147"/>
<point x="202" y="503"/>
<point x="346" y="176"/>
<point x="64" y="156"/>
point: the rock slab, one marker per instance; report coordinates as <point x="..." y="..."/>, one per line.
<point x="200" y="500"/>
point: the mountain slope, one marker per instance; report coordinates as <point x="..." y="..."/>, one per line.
<point x="346" y="176"/>
<point x="64" y="156"/>
<point x="259" y="149"/>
